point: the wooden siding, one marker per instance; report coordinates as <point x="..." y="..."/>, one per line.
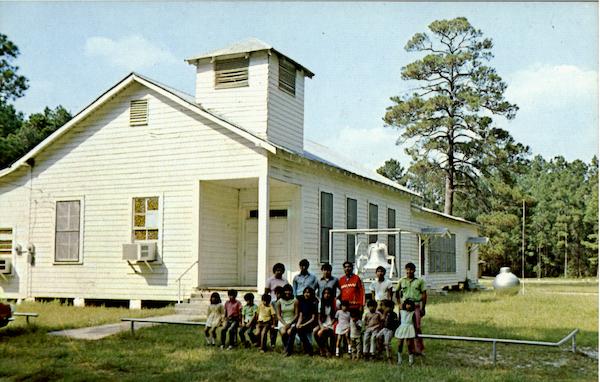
<point x="108" y="162"/>
<point x="244" y="106"/>
<point x="314" y="179"/>
<point x="219" y="232"/>
<point x="15" y="194"/>
<point x="285" y="111"/>
<point x="463" y="232"/>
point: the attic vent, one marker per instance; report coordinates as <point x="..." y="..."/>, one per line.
<point x="231" y="73"/>
<point x="138" y="112"/>
<point x="287" y="76"/>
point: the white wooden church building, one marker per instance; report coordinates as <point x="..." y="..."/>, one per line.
<point x="211" y="190"/>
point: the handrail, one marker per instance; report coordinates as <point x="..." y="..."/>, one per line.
<point x="178" y="280"/>
<point x="494" y="341"/>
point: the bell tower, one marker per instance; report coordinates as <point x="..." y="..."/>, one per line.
<point x="255" y="87"/>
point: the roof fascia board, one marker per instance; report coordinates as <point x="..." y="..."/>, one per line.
<point x="428" y="211"/>
<point x="194" y="108"/>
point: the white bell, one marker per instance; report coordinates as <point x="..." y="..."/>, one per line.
<point x="377" y="257"/>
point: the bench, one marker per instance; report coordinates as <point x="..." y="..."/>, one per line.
<point x="158" y="321"/>
<point x="25" y="314"/>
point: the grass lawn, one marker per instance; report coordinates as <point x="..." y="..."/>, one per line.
<point x="174" y="353"/>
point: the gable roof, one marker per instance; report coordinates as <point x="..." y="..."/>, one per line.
<point x="246" y="46"/>
<point x="176" y="96"/>
<point x="312" y="151"/>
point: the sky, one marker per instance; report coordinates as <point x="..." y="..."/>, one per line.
<point x="546" y="52"/>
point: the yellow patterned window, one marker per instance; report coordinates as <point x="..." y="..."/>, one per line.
<point x="145" y="218"/>
<point x="6" y="241"/>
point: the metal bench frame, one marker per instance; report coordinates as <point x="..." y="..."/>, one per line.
<point x="495" y="341"/>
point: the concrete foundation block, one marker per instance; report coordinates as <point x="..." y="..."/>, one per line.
<point x="135" y="304"/>
<point x="79" y="301"/>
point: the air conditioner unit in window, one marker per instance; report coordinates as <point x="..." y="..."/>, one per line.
<point x="5" y="265"/>
<point x="139" y="251"/>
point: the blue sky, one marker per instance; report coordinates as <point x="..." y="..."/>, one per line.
<point x="546" y="52"/>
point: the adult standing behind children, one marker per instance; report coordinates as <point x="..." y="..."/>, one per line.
<point x="352" y="289"/>
<point x="327" y="281"/>
<point x="276" y="280"/>
<point x="304" y="279"/>
<point x="381" y="288"/>
<point x="414" y="288"/>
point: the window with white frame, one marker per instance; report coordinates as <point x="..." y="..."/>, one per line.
<point x="67" y="231"/>
<point x="6" y="241"/>
<point x="442" y="254"/>
<point x="145" y="218"/>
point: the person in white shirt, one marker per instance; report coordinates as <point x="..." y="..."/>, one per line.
<point x="381" y="288"/>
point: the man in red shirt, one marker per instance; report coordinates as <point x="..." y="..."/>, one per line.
<point x="352" y="289"/>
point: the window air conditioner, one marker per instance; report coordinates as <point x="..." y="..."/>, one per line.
<point x="5" y="265"/>
<point x="139" y="251"/>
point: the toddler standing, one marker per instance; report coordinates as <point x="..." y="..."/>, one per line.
<point x="406" y="330"/>
<point x="342" y="328"/>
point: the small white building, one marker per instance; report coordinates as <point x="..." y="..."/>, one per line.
<point x="221" y="185"/>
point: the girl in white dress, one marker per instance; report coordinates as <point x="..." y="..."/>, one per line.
<point x="406" y="330"/>
<point x="215" y="315"/>
<point x="342" y="327"/>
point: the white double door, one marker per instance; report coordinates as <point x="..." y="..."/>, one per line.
<point x="278" y="251"/>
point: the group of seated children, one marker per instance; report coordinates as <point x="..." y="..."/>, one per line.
<point x="331" y="323"/>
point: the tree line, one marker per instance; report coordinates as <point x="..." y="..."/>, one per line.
<point x="19" y="134"/>
<point x="464" y="165"/>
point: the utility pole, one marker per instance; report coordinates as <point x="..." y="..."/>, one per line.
<point x="523" y="250"/>
<point x="566" y="256"/>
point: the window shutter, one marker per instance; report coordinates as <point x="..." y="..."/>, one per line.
<point x="373" y="221"/>
<point x="138" y="112"/>
<point x="287" y="76"/>
<point x="351" y="223"/>
<point x="326" y="224"/>
<point x="231" y="73"/>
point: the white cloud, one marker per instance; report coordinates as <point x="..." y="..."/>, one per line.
<point x="552" y="85"/>
<point x="368" y="146"/>
<point x="558" y="110"/>
<point x="132" y="52"/>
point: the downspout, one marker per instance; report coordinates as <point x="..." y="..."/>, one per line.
<point x="29" y="280"/>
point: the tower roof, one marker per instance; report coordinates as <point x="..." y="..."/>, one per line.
<point x="246" y="46"/>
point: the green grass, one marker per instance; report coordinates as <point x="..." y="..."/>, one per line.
<point x="55" y="316"/>
<point x="173" y="353"/>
